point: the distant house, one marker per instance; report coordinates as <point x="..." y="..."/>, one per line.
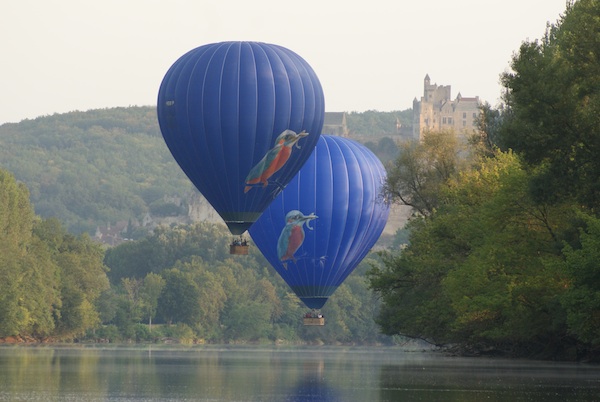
<point x="437" y="111"/>
<point x="335" y="124"/>
<point x="111" y="235"/>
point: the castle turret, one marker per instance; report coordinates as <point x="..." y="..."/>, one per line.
<point x="436" y="110"/>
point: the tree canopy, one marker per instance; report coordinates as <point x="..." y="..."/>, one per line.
<point x="503" y="256"/>
<point x="552" y="99"/>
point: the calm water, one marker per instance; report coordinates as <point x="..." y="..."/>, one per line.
<point x="281" y="374"/>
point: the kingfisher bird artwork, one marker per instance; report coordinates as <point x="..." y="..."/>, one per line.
<point x="274" y="159"/>
<point x="292" y="235"/>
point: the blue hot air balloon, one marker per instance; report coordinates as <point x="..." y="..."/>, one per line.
<point x="240" y="119"/>
<point x="326" y="220"/>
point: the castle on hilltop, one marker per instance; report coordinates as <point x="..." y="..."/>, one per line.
<point x="437" y="111"/>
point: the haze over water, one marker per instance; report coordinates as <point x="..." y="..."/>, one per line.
<point x="196" y="373"/>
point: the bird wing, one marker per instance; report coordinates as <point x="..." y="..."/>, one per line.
<point x="258" y="169"/>
<point x="282" y="243"/>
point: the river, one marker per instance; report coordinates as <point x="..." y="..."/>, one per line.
<point x="211" y="373"/>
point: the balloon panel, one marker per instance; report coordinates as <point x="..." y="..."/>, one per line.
<point x="240" y="118"/>
<point x="335" y="201"/>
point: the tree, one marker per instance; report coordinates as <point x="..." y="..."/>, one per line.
<point x="502" y="293"/>
<point x="552" y="114"/>
<point x="415" y="177"/>
<point x="248" y="321"/>
<point x="410" y="284"/>
<point x="149" y="293"/>
<point x="179" y="300"/>
<point x="474" y="271"/>
<point x="29" y="296"/>
<point x="582" y="296"/>
<point x="82" y="277"/>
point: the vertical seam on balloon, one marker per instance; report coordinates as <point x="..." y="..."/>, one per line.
<point x="218" y="198"/>
<point x="251" y="198"/>
<point x="238" y="201"/>
<point x="376" y="226"/>
<point x="349" y="232"/>
<point x="359" y="245"/>
<point x="185" y="118"/>
<point x="332" y="258"/>
<point x="224" y="189"/>
<point x="317" y="225"/>
<point x="255" y="200"/>
<point x="306" y="280"/>
<point x="286" y="61"/>
<point x="193" y="139"/>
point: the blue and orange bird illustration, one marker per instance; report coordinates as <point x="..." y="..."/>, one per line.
<point x="274" y="159"/>
<point x="292" y="235"/>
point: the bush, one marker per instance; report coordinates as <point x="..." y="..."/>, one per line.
<point x="108" y="333"/>
<point x="181" y="332"/>
<point x="142" y="333"/>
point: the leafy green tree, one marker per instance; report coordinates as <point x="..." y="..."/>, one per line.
<point x="410" y="284"/>
<point x="29" y="289"/>
<point x="41" y="288"/>
<point x="132" y="288"/>
<point x="581" y="298"/>
<point x="474" y="270"/>
<point x="149" y="293"/>
<point x="415" y="177"/>
<point x="553" y="106"/>
<point x="501" y="292"/>
<point x="248" y="321"/>
<point x="165" y="247"/>
<point x="178" y="302"/>
<point x="82" y="277"/>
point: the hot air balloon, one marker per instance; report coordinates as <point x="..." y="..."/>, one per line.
<point x="240" y="119"/>
<point x="326" y="220"/>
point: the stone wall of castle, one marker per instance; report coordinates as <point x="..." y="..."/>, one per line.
<point x="437" y="111"/>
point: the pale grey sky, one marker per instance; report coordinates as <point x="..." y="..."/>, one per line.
<point x="65" y="55"/>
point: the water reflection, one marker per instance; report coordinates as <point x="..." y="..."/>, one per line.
<point x="465" y="380"/>
<point x="281" y="374"/>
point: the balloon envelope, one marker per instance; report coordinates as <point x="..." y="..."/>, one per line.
<point x="335" y="201"/>
<point x="240" y="119"/>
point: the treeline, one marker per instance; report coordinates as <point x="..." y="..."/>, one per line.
<point x="92" y="168"/>
<point x="50" y="278"/>
<point x="179" y="282"/>
<point x="503" y="253"/>
<point x="223" y="298"/>
<point x="373" y="123"/>
<point x="100" y="167"/>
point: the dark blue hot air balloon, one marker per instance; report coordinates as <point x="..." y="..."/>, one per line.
<point x="240" y="119"/>
<point x="326" y="220"/>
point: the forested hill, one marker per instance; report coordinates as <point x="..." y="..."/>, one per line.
<point x="103" y="166"/>
<point x="92" y="168"/>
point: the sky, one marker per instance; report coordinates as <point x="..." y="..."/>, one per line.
<point x="64" y="55"/>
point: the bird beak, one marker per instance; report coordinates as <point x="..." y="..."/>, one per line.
<point x="300" y="135"/>
<point x="309" y="218"/>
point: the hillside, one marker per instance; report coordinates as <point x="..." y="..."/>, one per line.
<point x="110" y="168"/>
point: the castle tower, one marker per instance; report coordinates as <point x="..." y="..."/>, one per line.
<point x="436" y="110"/>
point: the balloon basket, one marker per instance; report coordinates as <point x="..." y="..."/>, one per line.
<point x="239" y="247"/>
<point x="238" y="250"/>
<point x="314" y="318"/>
<point x="314" y="321"/>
